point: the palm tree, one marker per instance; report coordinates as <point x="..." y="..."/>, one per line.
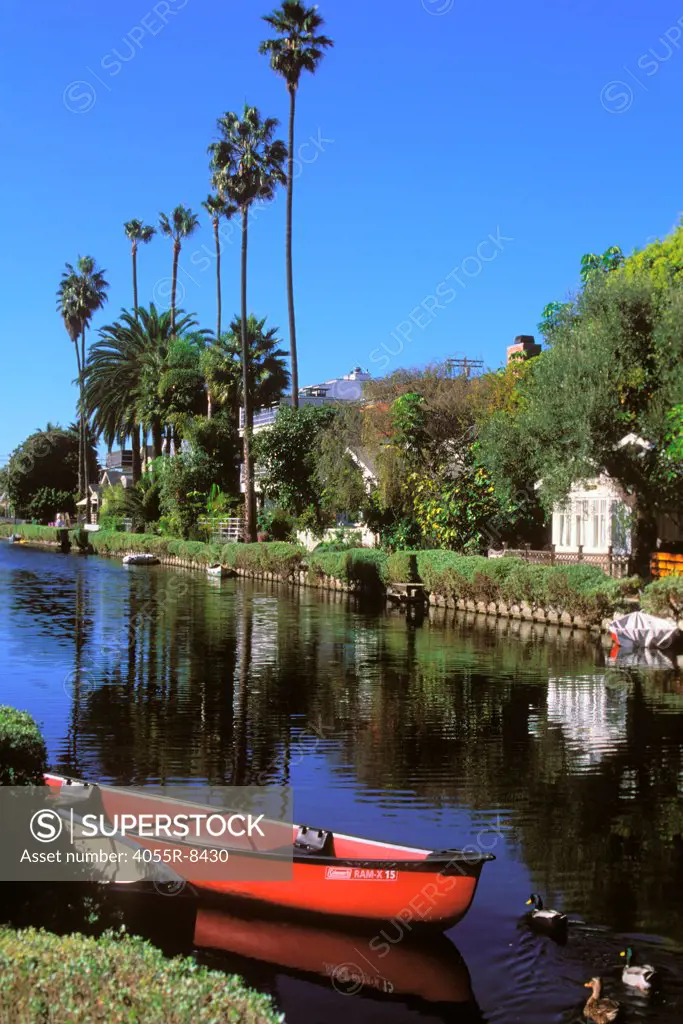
<point x="298" y="47"/>
<point x="124" y="369"/>
<point x="181" y="224"/>
<point x="137" y="232"/>
<point x="247" y="165"/>
<point x="268" y="374"/>
<point x="82" y="292"/>
<point x="217" y="207"/>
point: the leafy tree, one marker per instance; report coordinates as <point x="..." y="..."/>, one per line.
<point x="136" y="232"/>
<point x="593" y="265"/>
<point x="298" y="47"/>
<point x="42" y="473"/>
<point x="601" y="399"/>
<point x="82" y="292"/>
<point x="181" y="224"/>
<point x="247" y="166"/>
<point x="286" y="454"/>
<point x="184" y="485"/>
<point x="218" y="439"/>
<point x="181" y="388"/>
<point x="662" y="260"/>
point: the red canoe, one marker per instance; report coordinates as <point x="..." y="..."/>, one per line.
<point x="429" y="968"/>
<point x="329" y="874"/>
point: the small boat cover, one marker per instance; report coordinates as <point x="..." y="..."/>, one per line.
<point x="642" y="630"/>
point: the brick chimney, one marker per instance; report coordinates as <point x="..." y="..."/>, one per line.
<point x="524" y="347"/>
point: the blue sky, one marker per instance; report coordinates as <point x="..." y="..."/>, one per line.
<point x="454" y="161"/>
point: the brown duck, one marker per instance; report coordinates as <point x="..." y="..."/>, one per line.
<point x="600" y="1011"/>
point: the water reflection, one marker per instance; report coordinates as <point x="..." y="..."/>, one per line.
<point x="451" y="731"/>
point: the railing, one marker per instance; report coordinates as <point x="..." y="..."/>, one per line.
<point x="613" y="565"/>
<point x="224" y="531"/>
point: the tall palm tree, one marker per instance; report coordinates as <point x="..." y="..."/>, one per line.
<point x="124" y="369"/>
<point x="181" y="224"/>
<point x="137" y="232"/>
<point x="268" y="373"/>
<point x="217" y="207"/>
<point x="82" y="292"/>
<point x="298" y="47"/>
<point x="247" y="164"/>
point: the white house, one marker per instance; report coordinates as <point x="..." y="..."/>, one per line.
<point x="594" y="517"/>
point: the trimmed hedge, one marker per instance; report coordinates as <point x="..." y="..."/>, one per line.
<point x="664" y="597"/>
<point x="362" y="566"/>
<point x="577" y="589"/>
<point x="402" y="567"/>
<point x="116" y="980"/>
<point x="23" y="756"/>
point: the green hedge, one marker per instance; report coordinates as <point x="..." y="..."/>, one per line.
<point x="23" y="757"/>
<point x="115" y="980"/>
<point x="664" y="597"/>
<point x="402" y="567"/>
<point x="577" y="589"/>
<point x="30" y="532"/>
<point x="365" y="567"/>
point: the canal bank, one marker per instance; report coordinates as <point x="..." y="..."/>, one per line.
<point x="579" y="596"/>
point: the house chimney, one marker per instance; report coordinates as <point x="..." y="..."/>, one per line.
<point x="524" y="347"/>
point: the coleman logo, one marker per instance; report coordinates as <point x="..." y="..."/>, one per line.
<point x="338" y="874"/>
<point x="361" y="874"/>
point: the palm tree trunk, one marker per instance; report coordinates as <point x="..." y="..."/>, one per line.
<point x="156" y="437"/>
<point x="290" y="274"/>
<point x="137" y="463"/>
<point x="249" y="497"/>
<point x="86" y="468"/>
<point x="219" y="304"/>
<point x="135" y="279"/>
<point x="174" y="279"/>
<point x="219" y="309"/>
<point x="80" y="420"/>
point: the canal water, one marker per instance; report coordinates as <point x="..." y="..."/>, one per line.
<point x="440" y="733"/>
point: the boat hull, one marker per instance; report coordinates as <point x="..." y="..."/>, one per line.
<point x="353" y="879"/>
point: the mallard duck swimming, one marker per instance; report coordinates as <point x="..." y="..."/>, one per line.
<point x="637" y="975"/>
<point x="600" y="1011"/>
<point x="543" y="916"/>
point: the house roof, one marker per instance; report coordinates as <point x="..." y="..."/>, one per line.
<point x="364" y="460"/>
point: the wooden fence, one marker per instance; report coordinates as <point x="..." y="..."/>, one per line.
<point x="613" y="565"/>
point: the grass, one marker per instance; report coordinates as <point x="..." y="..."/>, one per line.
<point x="47" y="978"/>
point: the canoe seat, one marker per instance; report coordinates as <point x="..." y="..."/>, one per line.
<point x="314" y="840"/>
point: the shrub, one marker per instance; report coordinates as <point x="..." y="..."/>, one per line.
<point x="277" y="522"/>
<point x="664" y="597"/>
<point x="276" y="556"/>
<point x="363" y="566"/>
<point x="23" y="757"/>
<point x="117" y="980"/>
<point x="402" y="567"/>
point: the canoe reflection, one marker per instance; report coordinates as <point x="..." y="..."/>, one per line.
<point x="428" y="967"/>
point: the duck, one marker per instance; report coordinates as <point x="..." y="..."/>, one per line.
<point x="600" y="1011"/>
<point x="637" y="975"/>
<point x="543" y="916"/>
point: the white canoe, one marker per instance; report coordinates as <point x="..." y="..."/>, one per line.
<point x="218" y="570"/>
<point x="141" y="560"/>
<point x="639" y="630"/>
